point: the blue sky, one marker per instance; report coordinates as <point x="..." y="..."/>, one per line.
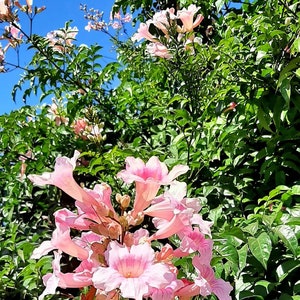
<point x="54" y="17"/>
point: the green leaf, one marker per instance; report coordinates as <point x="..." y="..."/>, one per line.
<point x="295" y="190"/>
<point x="219" y="4"/>
<point x="251" y="228"/>
<point x="286" y="268"/>
<point x="285" y="90"/>
<point x="296" y="46"/>
<point x="264" y="119"/>
<point x="242" y="253"/>
<point x="286" y="71"/>
<point x="288" y="237"/>
<point x="261" y="248"/>
<point x="229" y="252"/>
<point x="260" y="55"/>
<point x="263" y="288"/>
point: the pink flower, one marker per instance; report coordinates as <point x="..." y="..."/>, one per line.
<point x="116" y="15"/>
<point x="140" y="236"/>
<point x="158" y="49"/>
<point x="5" y="11"/>
<point x="187" y="18"/>
<point x="29" y="5"/>
<point x="51" y="280"/>
<point x="14" y="31"/>
<point x="79" y="279"/>
<point x="193" y="240"/>
<point x="61" y="240"/>
<point x="208" y="283"/>
<point x="116" y="25"/>
<point x="62" y="177"/>
<point x="166" y="293"/>
<point x="148" y="179"/>
<point x="162" y="20"/>
<point x="172" y="212"/>
<point x="143" y="33"/>
<point x="89" y="26"/>
<point x="132" y="270"/>
<point x="95" y="25"/>
<point x="13" y="35"/>
<point x="101" y="193"/>
<point x="79" y="126"/>
<point x="3" y="8"/>
<point x="205" y="283"/>
<point x="127" y="18"/>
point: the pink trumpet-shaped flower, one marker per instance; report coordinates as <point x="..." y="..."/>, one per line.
<point x="166" y="293"/>
<point x="208" y="283"/>
<point x="205" y="283"/>
<point x="143" y="33"/>
<point x="187" y="18"/>
<point x="51" y="280"/>
<point x="163" y="19"/>
<point x="101" y="193"/>
<point x="61" y="240"/>
<point x="148" y="178"/>
<point x="56" y="279"/>
<point x="62" y="177"/>
<point x="132" y="270"/>
<point x="158" y="49"/>
<point x="80" y="126"/>
<point x="193" y="240"/>
<point x="172" y="212"/>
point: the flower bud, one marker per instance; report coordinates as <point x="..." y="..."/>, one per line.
<point x="209" y="30"/>
<point x="29" y="5"/>
<point x="124" y="201"/>
<point x="40" y="9"/>
<point x="287" y="21"/>
<point x="139" y="219"/>
<point x="124" y="223"/>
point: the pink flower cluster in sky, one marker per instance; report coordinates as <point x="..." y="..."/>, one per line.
<point x="114" y="250"/>
<point x="166" y="23"/>
<point x="12" y="32"/>
<point x="96" y="22"/>
<point x="13" y="36"/>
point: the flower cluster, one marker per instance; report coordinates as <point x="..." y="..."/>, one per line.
<point x="13" y="32"/>
<point x="168" y="27"/>
<point x="117" y="20"/>
<point x="6" y="14"/>
<point x="57" y="114"/>
<point x="87" y="131"/>
<point x="96" y="21"/>
<point x="2" y="57"/>
<point x="115" y="245"/>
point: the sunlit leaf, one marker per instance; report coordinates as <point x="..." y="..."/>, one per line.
<point x="287" y="235"/>
<point x="261" y="248"/>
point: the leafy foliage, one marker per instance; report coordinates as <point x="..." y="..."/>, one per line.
<point x="243" y="159"/>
